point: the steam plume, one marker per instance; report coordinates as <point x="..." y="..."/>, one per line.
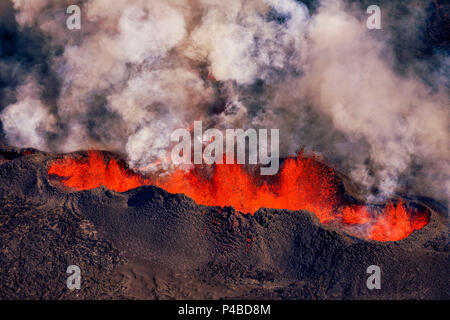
<point x="137" y="70"/>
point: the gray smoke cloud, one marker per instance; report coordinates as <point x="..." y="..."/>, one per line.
<point x="137" y="70"/>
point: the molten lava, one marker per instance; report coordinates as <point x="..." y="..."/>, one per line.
<point x="95" y="172"/>
<point x="301" y="184"/>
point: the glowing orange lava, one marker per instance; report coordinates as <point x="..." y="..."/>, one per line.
<point x="94" y="172"/>
<point x="301" y="184"/>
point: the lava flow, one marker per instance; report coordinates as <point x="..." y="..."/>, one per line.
<point x="301" y="184"/>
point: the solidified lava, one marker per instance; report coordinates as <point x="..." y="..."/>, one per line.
<point x="147" y="243"/>
<point x="303" y="183"/>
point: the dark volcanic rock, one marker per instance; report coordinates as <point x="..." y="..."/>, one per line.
<point x="147" y="243"/>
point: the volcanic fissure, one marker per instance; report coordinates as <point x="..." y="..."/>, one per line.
<point x="303" y="183"/>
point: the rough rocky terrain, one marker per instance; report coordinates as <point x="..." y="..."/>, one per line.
<point x="149" y="244"/>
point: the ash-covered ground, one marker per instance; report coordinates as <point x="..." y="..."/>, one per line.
<point x="149" y="244"/>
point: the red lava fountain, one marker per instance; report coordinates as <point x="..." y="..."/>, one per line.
<point x="301" y="184"/>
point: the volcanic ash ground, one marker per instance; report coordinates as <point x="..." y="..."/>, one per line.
<point x="146" y="243"/>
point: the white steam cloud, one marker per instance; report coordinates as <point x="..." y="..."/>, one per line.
<point x="26" y="121"/>
<point x="140" y="69"/>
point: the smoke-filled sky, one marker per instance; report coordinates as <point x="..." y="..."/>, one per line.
<point x="373" y="103"/>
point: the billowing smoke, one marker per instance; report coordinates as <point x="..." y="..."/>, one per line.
<point x="137" y="70"/>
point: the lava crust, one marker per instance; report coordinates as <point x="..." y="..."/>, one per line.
<point x="146" y="243"/>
